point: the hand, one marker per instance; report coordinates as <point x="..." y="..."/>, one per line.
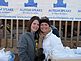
<point x="42" y="35"/>
<point x="40" y="55"/>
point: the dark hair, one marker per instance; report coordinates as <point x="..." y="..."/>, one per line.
<point x="45" y="20"/>
<point x="30" y="22"/>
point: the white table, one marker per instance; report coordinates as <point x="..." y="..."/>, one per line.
<point x="67" y="59"/>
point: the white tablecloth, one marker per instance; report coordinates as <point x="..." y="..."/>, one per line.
<point x="67" y="59"/>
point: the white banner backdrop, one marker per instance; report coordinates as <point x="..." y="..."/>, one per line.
<point x="54" y="9"/>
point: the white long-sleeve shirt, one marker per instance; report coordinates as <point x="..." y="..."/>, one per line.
<point x="51" y="43"/>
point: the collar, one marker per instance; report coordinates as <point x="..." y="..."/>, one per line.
<point x="49" y="33"/>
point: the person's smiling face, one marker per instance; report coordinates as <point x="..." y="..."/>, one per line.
<point x="44" y="27"/>
<point x="34" y="26"/>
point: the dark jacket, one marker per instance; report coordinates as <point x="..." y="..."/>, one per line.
<point x="55" y="31"/>
<point x="26" y="47"/>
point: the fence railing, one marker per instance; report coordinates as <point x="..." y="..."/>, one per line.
<point x="10" y="30"/>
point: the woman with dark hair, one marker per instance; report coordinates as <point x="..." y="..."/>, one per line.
<point x="26" y="43"/>
<point x="47" y="40"/>
<point x="30" y="22"/>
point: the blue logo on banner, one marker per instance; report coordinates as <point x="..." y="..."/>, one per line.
<point x="59" y="4"/>
<point x="3" y="3"/>
<point x="30" y="4"/>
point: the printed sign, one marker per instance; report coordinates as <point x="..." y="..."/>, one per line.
<point x="54" y="9"/>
